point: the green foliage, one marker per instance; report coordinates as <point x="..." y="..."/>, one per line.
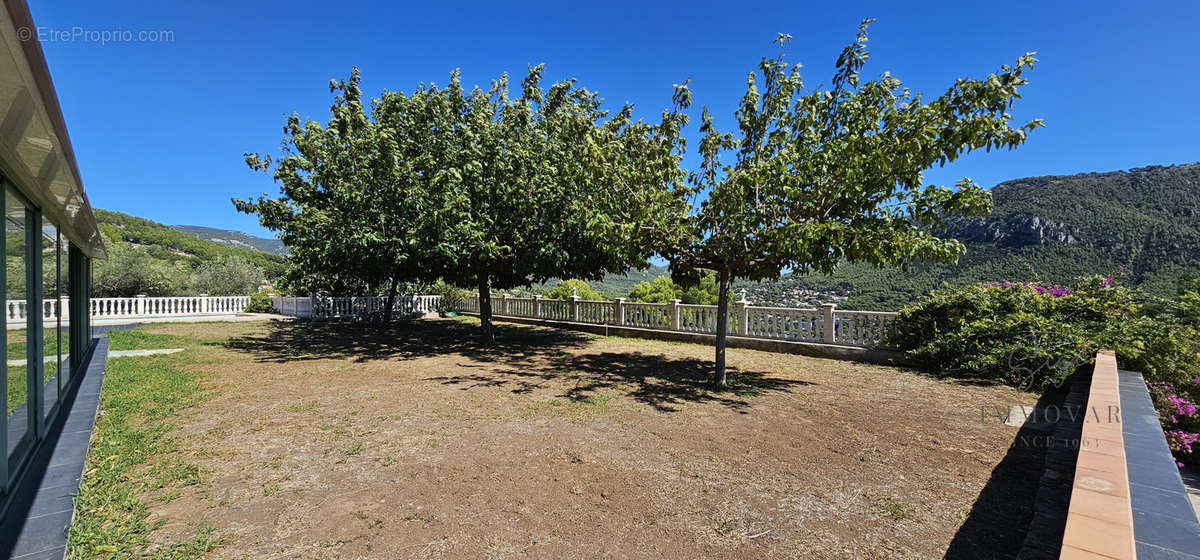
<point x="538" y="184"/>
<point x="234" y="238"/>
<point x="836" y="174"/>
<point x="164" y="243"/>
<point x="1022" y="334"/>
<point x="355" y="209"/>
<point x="129" y="271"/>
<point x="814" y="178"/>
<point x="482" y="188"/>
<point x="230" y="276"/>
<point x="260" y="302"/>
<point x="148" y="258"/>
<point x="661" y="290"/>
<point x="1045" y="229"/>
<point x="452" y="296"/>
<point x="704" y="291"/>
<point x="1166" y="343"/>
<point x="567" y="288"/>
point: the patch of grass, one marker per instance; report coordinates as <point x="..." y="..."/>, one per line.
<point x="138" y="339"/>
<point x="726" y="527"/>
<point x="891" y="508"/>
<point x="306" y="407"/>
<point x="576" y="409"/>
<point x="272" y="489"/>
<point x="133" y="452"/>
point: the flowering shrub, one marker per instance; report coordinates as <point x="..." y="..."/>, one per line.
<point x="1178" y="414"/>
<point x="1181" y="443"/>
<point x="1025" y="334"/>
<point x="1035" y="336"/>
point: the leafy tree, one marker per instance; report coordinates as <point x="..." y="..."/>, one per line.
<point x="567" y="288"/>
<point x="129" y="271"/>
<point x="232" y="276"/>
<point x="537" y="186"/>
<point x="704" y="292"/>
<point x="660" y="290"/>
<point x="353" y="192"/>
<point x="812" y="179"/>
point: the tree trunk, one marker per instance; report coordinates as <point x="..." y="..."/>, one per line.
<point x="723" y="279"/>
<point x="391" y="301"/>
<point x="487" y="334"/>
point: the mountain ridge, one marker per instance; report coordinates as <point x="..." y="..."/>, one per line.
<point x="234" y="238"/>
<point x="1142" y="223"/>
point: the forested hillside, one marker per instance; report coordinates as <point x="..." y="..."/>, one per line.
<point x="233" y="238"/>
<point x="146" y="257"/>
<point x="1143" y="223"/>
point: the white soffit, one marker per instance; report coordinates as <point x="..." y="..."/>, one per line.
<point x="35" y="152"/>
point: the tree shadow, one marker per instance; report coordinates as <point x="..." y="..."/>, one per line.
<point x="522" y="359"/>
<point x="290" y="341"/>
<point x="655" y="380"/>
<point x="1021" y="511"/>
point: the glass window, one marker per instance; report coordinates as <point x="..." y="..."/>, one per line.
<point x="21" y="415"/>
<point x="48" y="310"/>
<point x="64" y="312"/>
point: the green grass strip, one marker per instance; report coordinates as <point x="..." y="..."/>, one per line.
<point x="134" y="452"/>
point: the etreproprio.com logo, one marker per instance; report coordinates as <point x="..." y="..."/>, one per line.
<point x="81" y="34"/>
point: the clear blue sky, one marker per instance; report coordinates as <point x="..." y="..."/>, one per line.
<point x="159" y="128"/>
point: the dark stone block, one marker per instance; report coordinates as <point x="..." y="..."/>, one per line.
<point x="56" y="553"/>
<point x="1166" y="532"/>
<point x="53" y="500"/>
<point x="1151" y="552"/>
<point x="1164" y="502"/>
<point x="39" y="534"/>
<point x="1157" y="471"/>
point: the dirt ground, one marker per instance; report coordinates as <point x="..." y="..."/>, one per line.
<point x="344" y="441"/>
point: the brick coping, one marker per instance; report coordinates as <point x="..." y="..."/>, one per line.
<point x="1100" y="516"/>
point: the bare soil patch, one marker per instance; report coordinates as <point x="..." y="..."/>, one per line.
<point x="352" y="441"/>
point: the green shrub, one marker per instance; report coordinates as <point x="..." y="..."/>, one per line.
<point x="565" y="288"/>
<point x="660" y="290"/>
<point x="451" y="296"/>
<point x="260" y="302"/>
<point x="1028" y="335"/>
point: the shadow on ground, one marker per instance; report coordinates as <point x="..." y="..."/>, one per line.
<point x="1003" y="515"/>
<point x="655" y="380"/>
<point x="522" y="359"/>
<point x="291" y="341"/>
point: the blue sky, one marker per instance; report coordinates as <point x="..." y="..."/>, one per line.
<point x="159" y="128"/>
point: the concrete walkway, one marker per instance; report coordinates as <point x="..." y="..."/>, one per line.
<point x="113" y="354"/>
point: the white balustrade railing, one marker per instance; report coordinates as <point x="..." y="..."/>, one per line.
<point x="868" y="329"/>
<point x="863" y="328"/>
<point x="317" y="307"/>
<point x="805" y="325"/>
<point x="17" y="311"/>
